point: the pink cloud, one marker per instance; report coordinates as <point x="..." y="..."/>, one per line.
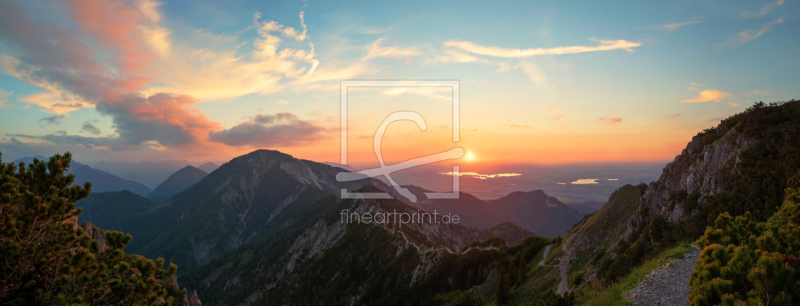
<point x="116" y="26"/>
<point x="611" y="120"/>
<point x="109" y="71"/>
<point x="169" y="119"/>
<point x="558" y="116"/>
<point x="514" y="125"/>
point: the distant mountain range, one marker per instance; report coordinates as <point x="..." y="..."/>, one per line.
<point x="208" y="167"/>
<point x="150" y="173"/>
<point x="286" y="211"/>
<point x="587" y="207"/>
<point x="533" y="210"/>
<point x="101" y="181"/>
<point x="175" y="183"/>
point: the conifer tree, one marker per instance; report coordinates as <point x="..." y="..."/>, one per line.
<point x="748" y="263"/>
<point x="49" y="261"/>
<point x="470" y="279"/>
<point x="503" y="284"/>
<point x="522" y="265"/>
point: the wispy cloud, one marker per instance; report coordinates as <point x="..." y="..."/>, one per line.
<point x="694" y="86"/>
<point x="4" y="96"/>
<point x="605" y="45"/>
<point x="763" y="11"/>
<point x="534" y="73"/>
<point x="514" y="125"/>
<point x="90" y="128"/>
<point x="559" y="115"/>
<point x="676" y="26"/>
<point x="707" y="95"/>
<point x="611" y="120"/>
<point x="441" y="93"/>
<point x="456" y="56"/>
<point x="748" y="35"/>
<point x="51" y="120"/>
<point x="377" y="49"/>
<point x="757" y="93"/>
<point x="378" y="30"/>
<point x="674" y="115"/>
<point x="60" y="138"/>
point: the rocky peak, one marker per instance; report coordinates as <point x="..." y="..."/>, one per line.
<point x="700" y="169"/>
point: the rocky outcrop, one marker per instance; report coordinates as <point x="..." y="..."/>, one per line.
<point x="95" y="233"/>
<point x="700" y="169"/>
<point x="73" y="220"/>
<point x="190" y="301"/>
<point x="194" y="301"/>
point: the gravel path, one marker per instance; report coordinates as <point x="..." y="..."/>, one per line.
<point x="667" y="285"/>
<point x="563" y="266"/>
<point x="546" y="251"/>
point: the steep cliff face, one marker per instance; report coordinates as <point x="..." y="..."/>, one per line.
<point x="742" y="165"/>
<point x="701" y="170"/>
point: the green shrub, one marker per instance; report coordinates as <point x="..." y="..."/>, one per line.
<point x="755" y="263"/>
<point x="459" y="298"/>
<point x="550" y="298"/>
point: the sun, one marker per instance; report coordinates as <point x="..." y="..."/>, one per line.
<point x="469" y="156"/>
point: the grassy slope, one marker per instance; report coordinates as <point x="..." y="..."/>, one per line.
<point x="538" y="277"/>
<point x="607" y="225"/>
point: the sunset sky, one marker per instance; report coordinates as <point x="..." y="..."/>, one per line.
<point x="540" y="81"/>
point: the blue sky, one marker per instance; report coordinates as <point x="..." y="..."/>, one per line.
<point x="634" y="81"/>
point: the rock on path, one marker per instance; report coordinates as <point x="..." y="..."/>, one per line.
<point x="668" y="285"/>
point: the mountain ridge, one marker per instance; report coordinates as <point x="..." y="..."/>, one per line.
<point x="739" y="167"/>
<point x="175" y="183"/>
<point x="102" y="181"/>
